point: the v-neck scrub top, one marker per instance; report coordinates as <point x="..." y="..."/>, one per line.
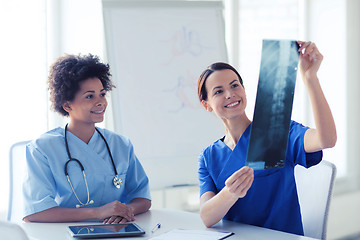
<point x="272" y="200"/>
<point x="46" y="186"/>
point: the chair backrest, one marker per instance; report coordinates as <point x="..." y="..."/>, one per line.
<point x="12" y="231"/>
<point x="17" y="166"/>
<point x="314" y="187"/>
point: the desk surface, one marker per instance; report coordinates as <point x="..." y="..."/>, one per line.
<point x="169" y="219"/>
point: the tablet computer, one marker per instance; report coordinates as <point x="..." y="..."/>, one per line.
<point x="106" y="230"/>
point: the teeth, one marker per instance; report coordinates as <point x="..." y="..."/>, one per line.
<point x="98" y="111"/>
<point x="233" y="104"/>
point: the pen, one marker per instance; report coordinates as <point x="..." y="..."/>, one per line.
<point x="157" y="226"/>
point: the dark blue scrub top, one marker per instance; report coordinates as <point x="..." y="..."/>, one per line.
<point x="272" y="200"/>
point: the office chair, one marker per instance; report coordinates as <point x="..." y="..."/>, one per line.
<point x="17" y="166"/>
<point x="12" y="231"/>
<point x="314" y="188"/>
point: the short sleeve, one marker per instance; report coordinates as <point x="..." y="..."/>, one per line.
<point x="39" y="188"/>
<point x="206" y="182"/>
<point x="296" y="151"/>
<point x="137" y="182"/>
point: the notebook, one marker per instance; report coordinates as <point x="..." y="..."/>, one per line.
<point x="181" y="234"/>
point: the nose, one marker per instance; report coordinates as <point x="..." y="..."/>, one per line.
<point x="101" y="102"/>
<point x="229" y="94"/>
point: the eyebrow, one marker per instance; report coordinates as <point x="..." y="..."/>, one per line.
<point x="233" y="81"/>
<point x="92" y="91"/>
<point x="214" y="88"/>
<point x="219" y="87"/>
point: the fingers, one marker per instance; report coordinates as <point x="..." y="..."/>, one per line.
<point x="105" y="221"/>
<point x="309" y="48"/>
<point x="310" y="60"/>
<point x="116" y="208"/>
<point x="242" y="189"/>
<point x="243" y="171"/>
<point x="121" y="209"/>
<point x="114" y="220"/>
<point x="118" y="219"/>
<point x="240" y="182"/>
<point x="306" y="47"/>
<point x="128" y="214"/>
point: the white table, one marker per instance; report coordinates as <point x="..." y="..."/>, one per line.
<point x="169" y="219"/>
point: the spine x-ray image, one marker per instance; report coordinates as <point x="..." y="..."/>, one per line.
<point x="273" y="106"/>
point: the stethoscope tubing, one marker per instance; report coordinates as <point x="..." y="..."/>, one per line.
<point x="108" y="148"/>
<point x="117" y="182"/>
<point x="74" y="159"/>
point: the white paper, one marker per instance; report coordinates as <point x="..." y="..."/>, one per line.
<point x="181" y="234"/>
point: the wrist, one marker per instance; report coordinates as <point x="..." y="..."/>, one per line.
<point x="310" y="78"/>
<point x="94" y="213"/>
<point x="229" y="196"/>
<point x="132" y="208"/>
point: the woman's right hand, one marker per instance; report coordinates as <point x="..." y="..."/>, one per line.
<point x="213" y="207"/>
<point x="239" y="182"/>
<point x="115" y="208"/>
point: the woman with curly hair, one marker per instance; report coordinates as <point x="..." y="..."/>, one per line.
<point x="82" y="172"/>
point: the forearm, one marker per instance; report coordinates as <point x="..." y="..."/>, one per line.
<point x="60" y="214"/>
<point x="139" y="205"/>
<point x="325" y="132"/>
<point x="214" y="209"/>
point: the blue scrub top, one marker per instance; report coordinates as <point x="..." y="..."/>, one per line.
<point x="46" y="186"/>
<point x="272" y="200"/>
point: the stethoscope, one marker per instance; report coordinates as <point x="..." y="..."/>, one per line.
<point x="116" y="181"/>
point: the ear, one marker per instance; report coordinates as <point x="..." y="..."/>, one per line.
<point x="66" y="107"/>
<point x="206" y="106"/>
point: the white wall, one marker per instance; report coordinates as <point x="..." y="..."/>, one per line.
<point x="344" y="216"/>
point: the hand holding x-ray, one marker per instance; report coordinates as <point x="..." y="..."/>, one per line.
<point x="310" y="59"/>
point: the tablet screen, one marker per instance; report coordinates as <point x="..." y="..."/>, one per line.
<point x="106" y="230"/>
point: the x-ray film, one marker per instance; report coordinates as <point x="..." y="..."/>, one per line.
<point x="273" y="106"/>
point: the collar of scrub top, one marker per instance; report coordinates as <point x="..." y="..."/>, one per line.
<point x="116" y="181"/>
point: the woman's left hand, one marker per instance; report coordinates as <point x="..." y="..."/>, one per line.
<point x="310" y="59"/>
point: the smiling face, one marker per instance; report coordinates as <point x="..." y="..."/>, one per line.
<point x="89" y="104"/>
<point x="225" y="94"/>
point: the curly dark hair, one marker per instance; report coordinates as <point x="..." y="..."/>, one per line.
<point x="68" y="71"/>
<point x="201" y="89"/>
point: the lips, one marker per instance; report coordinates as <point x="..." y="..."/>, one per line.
<point x="98" y="111"/>
<point x="233" y="104"/>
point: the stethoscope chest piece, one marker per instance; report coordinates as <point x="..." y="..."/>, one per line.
<point x="117" y="182"/>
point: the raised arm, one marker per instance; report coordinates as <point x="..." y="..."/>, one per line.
<point x="324" y="135"/>
<point x="213" y="207"/>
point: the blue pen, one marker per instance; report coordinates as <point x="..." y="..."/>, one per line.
<point x="157" y="226"/>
